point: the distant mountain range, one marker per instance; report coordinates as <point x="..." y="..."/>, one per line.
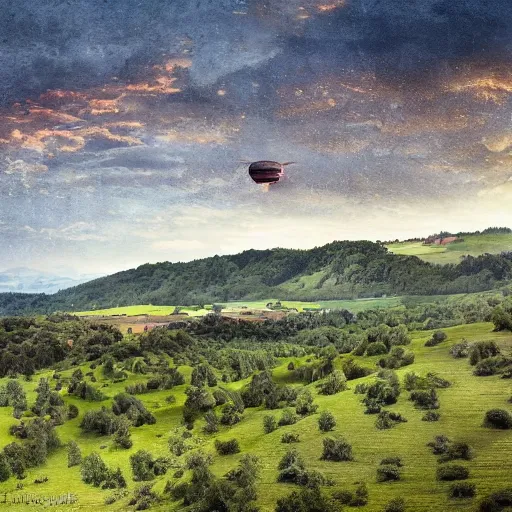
<point x="27" y="280"/>
<point x="339" y="270"/>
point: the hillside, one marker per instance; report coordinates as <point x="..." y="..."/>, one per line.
<point x="462" y="406"/>
<point x="472" y="244"/>
<point x="339" y="270"/>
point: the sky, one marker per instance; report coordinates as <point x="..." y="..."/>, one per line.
<point x="125" y="124"/>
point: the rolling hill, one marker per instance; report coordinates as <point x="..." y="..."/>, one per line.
<point x="340" y="270"/>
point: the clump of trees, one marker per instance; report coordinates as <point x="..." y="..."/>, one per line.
<point x="397" y="358"/>
<point x="388" y="419"/>
<point x="497" y="501"/>
<point x="290" y="437"/>
<point x="333" y="384"/>
<point x="425" y="399"/>
<point x="145" y="467"/>
<point x="14" y="395"/>
<point x="395" y="505"/>
<point x="357" y="498"/>
<point x="227" y="447"/>
<point x="337" y="449"/>
<point x="450" y="450"/>
<point x="382" y="392"/>
<point x="95" y="472"/>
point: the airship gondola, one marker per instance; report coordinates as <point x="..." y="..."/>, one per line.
<point x="267" y="172"/>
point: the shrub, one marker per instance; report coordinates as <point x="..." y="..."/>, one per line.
<point x="439" y="445"/>
<point x="491" y="366"/>
<point x="337" y="450"/>
<point x="94" y="471"/>
<point x="230" y="415"/>
<point x="425" y="399"/>
<point x="212" y="423"/>
<point x="496" y="501"/>
<point x="5" y="470"/>
<point x="326" y="421"/>
<point x="431" y="416"/>
<point x="352" y="370"/>
<point x="227" y="447"/>
<point x="291" y="467"/>
<point x="388" y="419"/>
<point x="452" y="472"/>
<point x="72" y="411"/>
<point x="305" y="405"/>
<point x="269" y="424"/>
<point x="482" y="350"/>
<point x="395" y="505"/>
<point x="334" y="383"/>
<point x="460" y="350"/>
<point x="457" y="450"/>
<point x="462" y="490"/>
<point x="102" y="421"/>
<point x="74" y="454"/>
<point x="498" y="418"/>
<point x="437" y="337"/>
<point x="134" y="409"/>
<point x="305" y="500"/>
<point x="391" y="461"/>
<point x="387" y="473"/>
<point x="360" y="389"/>
<point x="289" y="437"/>
<point x="177" y="446"/>
<point x="288" y="417"/>
<point x="376" y="349"/>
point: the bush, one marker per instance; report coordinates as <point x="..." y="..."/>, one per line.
<point x="498" y="418"/>
<point x="305" y="500"/>
<point x="94" y="471"/>
<point x="395" y="505"/>
<point x="460" y="350"/>
<point x="439" y="445"/>
<point x="482" y="350"/>
<point x="337" y="450"/>
<point x="360" y="389"/>
<point x="289" y="437"/>
<point x="74" y="454"/>
<point x="462" y="490"/>
<point x="326" y="421"/>
<point x="227" y="447"/>
<point x="376" y="349"/>
<point x="72" y="411"/>
<point x="212" y="423"/>
<point x="497" y="501"/>
<point x="457" y="450"/>
<point x="452" y="472"/>
<point x="291" y="467"/>
<point x="269" y="424"/>
<point x="354" y="371"/>
<point x="491" y="366"/>
<point x="334" y="383"/>
<point x="288" y="417"/>
<point x="425" y="399"/>
<point x="305" y="405"/>
<point x="387" y="473"/>
<point x="388" y="419"/>
<point x="437" y="337"/>
<point x="431" y="416"/>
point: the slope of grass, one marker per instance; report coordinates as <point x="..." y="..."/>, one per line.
<point x="462" y="408"/>
<point x="473" y="245"/>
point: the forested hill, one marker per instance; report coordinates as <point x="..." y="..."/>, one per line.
<point x="342" y="270"/>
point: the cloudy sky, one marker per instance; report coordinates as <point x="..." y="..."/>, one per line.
<point x="124" y="124"/>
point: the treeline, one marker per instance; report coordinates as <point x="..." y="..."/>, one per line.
<point x="348" y="270"/>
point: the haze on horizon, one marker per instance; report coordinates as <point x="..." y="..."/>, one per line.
<point x="123" y="124"/>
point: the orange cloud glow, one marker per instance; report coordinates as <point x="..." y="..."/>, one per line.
<point x="495" y="89"/>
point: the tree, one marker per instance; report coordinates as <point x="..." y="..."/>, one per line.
<point x="326" y="421"/>
<point x="5" y="470"/>
<point x="269" y="424"/>
<point x="305" y="405"/>
<point x="122" y="435"/>
<point x="498" y="418"/>
<point x="142" y="465"/>
<point x="337" y="450"/>
<point x="334" y="383"/>
<point x="74" y="454"/>
<point x="94" y="471"/>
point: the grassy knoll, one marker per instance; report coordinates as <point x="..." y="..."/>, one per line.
<point x="473" y="245"/>
<point x="462" y="408"/>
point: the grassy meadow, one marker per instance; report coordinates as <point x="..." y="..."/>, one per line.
<point x="473" y="245"/>
<point x="462" y="409"/>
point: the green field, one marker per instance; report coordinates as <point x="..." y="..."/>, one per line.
<point x="462" y="408"/>
<point x="355" y="306"/>
<point x="473" y="245"/>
